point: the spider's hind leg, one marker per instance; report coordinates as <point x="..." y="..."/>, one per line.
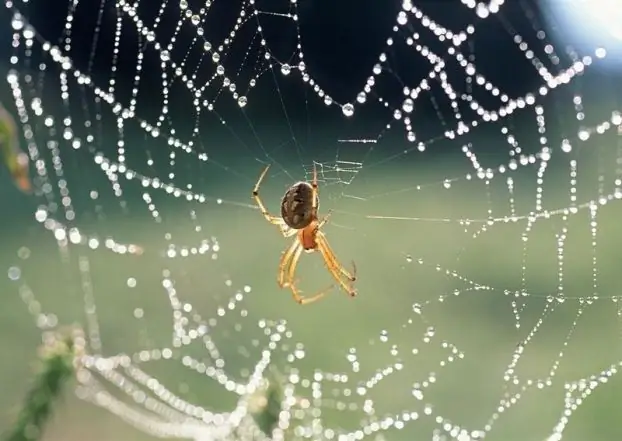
<point x="287" y="271"/>
<point x="299" y="298"/>
<point x="287" y="265"/>
<point x="338" y="272"/>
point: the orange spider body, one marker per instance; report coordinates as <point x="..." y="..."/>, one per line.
<point x="299" y="208"/>
<point x="306" y="237"/>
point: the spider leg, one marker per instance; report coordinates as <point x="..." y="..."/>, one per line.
<point x="306" y="300"/>
<point x="315" y="190"/>
<point x="334" y="267"/>
<point x="287" y="269"/>
<point x="285" y="265"/>
<point x="324" y="219"/>
<point x="286" y="231"/>
<point x="293" y="283"/>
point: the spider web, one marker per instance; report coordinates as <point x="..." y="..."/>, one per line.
<point x="488" y="287"/>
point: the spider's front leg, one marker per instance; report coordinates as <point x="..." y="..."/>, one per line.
<point x="286" y="231"/>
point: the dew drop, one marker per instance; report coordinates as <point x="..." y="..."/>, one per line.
<point x="286" y="69"/>
<point x="23" y="253"/>
<point x="408" y="105"/>
<point x="14" y="273"/>
<point x="348" y="110"/>
<point x="384" y="336"/>
<point x="418" y="394"/>
<point x="18" y="22"/>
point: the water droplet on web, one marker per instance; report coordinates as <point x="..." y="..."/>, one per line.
<point x="195" y="19"/>
<point x="348" y="110"/>
<point x="165" y="56"/>
<point x="409" y="258"/>
<point x="29" y="33"/>
<point x="18" y="22"/>
<point x="384" y="336"/>
<point x="418" y="394"/>
<point x="23" y="253"/>
<point x="207" y="46"/>
<point x="220" y="70"/>
<point x="286" y="69"/>
<point x="15" y="273"/>
<point x="216" y="57"/>
<point x="131" y="282"/>
<point x="402" y="18"/>
<point x="183" y="4"/>
<point x="361" y="97"/>
<point x="242" y="101"/>
<point x="377" y="69"/>
<point x="408" y="105"/>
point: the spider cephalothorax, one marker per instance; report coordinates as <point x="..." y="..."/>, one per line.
<point x="299" y="208"/>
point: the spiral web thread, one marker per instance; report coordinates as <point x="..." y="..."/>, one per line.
<point x="121" y="384"/>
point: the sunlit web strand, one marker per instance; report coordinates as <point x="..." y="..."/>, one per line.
<point x="154" y="131"/>
<point x="178" y="70"/>
<point x="117" y="108"/>
<point x="584" y="134"/>
<point x="122" y="169"/>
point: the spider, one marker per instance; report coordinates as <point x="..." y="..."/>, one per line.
<point x="299" y="217"/>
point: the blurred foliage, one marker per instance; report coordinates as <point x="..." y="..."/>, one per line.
<point x="266" y="405"/>
<point x="57" y="367"/>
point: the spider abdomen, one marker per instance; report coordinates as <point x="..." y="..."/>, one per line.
<point x="297" y="205"/>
